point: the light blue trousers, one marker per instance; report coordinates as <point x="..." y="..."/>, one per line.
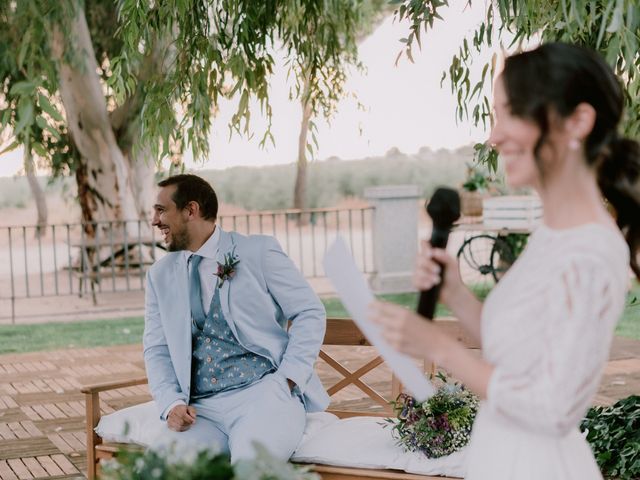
<point x="265" y="412"/>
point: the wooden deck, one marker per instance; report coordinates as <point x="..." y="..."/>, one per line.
<point x="42" y="410"/>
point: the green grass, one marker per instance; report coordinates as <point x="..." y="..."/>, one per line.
<point x="80" y="334"/>
<point x="629" y="324"/>
<point x="335" y="308"/>
<point x="122" y="331"/>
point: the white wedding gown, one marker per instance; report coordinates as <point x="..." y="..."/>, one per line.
<point x="547" y="328"/>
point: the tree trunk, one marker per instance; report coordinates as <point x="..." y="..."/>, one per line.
<point x="142" y="170"/>
<point x="86" y="199"/>
<point x="300" y="189"/>
<point x="36" y="192"/>
<point x="105" y="187"/>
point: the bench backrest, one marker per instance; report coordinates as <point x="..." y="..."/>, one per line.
<point x="343" y="331"/>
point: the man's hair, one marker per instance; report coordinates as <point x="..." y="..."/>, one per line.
<point x="191" y="188"/>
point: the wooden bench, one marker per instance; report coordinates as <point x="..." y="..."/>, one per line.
<point x="339" y="332"/>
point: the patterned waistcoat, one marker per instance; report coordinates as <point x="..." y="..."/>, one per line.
<point x="219" y="362"/>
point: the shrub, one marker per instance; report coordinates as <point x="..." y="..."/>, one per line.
<point x="614" y="435"/>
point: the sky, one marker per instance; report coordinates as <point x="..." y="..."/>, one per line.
<point x="404" y="105"/>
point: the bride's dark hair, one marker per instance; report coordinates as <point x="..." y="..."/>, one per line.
<point x="558" y="77"/>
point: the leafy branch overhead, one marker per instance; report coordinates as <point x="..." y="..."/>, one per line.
<point x="225" y="49"/>
<point x="28" y="100"/>
<point x="165" y="65"/>
<point x="611" y="27"/>
<point x="104" y="90"/>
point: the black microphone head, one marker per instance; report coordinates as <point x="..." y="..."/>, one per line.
<point x="444" y="207"/>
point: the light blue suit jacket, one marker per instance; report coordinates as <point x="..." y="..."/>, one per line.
<point x="266" y="292"/>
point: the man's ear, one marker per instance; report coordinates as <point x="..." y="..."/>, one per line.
<point x="193" y="209"/>
<point x="580" y="123"/>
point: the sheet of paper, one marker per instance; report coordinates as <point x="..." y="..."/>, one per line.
<point x="352" y="289"/>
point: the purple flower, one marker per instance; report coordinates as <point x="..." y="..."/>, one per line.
<point x="227" y="269"/>
<point x="438" y="426"/>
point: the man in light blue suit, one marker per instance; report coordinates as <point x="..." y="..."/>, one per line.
<point x="223" y="368"/>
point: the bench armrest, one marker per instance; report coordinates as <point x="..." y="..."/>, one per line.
<point x="92" y="405"/>
<point x="103" y="387"/>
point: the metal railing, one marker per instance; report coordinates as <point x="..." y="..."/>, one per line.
<point x="65" y="260"/>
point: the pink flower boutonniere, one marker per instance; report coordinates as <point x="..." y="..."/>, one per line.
<point x="227" y="269"/>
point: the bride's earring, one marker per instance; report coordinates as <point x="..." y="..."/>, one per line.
<point x="574" y="144"/>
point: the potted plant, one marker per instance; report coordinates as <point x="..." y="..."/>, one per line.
<point x="474" y="189"/>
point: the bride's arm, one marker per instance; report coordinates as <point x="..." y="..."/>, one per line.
<point x="467" y="309"/>
<point x="409" y="333"/>
<point x="580" y="305"/>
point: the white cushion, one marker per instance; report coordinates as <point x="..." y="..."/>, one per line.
<point x="363" y="442"/>
<point x="359" y="442"/>
<point x="138" y="424"/>
<point x="141" y="424"/>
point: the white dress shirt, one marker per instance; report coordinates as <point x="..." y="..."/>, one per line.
<point x="207" y="268"/>
<point x="208" y="281"/>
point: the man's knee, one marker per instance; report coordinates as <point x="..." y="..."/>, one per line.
<point x="247" y="449"/>
<point x="280" y="441"/>
<point x="203" y="435"/>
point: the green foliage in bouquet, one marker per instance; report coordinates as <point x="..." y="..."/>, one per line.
<point x="439" y="426"/>
<point x="193" y="464"/>
<point x="614" y="435"/>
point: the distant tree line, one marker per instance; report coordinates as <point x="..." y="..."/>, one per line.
<point x="269" y="188"/>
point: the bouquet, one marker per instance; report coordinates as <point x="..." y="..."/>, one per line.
<point x="439" y="426"/>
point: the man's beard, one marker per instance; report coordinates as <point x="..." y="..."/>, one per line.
<point x="179" y="241"/>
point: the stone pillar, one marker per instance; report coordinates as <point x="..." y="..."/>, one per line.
<point x="395" y="236"/>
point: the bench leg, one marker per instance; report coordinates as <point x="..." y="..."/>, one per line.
<point x="93" y="416"/>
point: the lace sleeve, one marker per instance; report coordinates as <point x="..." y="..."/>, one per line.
<point x="583" y="303"/>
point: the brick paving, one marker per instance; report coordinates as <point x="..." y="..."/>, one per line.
<point x="42" y="430"/>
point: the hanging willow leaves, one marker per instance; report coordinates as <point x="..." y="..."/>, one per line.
<point x="611" y="27"/>
<point x="162" y="68"/>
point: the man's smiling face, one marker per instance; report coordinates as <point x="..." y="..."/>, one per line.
<point x="170" y="220"/>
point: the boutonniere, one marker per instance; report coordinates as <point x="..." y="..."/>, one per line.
<point x="227" y="269"/>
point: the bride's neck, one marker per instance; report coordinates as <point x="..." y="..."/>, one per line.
<point x="571" y="198"/>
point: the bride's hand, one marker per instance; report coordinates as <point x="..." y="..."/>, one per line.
<point x="408" y="332"/>
<point x="429" y="272"/>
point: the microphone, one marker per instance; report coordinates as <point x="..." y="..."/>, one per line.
<point x="444" y="209"/>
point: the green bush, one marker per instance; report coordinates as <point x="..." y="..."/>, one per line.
<point x="614" y="435"/>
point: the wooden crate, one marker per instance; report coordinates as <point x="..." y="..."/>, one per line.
<point x="512" y="211"/>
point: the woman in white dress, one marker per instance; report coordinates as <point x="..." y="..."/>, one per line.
<point x="546" y="328"/>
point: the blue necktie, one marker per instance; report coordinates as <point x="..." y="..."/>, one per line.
<point x="195" y="292"/>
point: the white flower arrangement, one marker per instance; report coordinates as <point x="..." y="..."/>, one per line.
<point x="193" y="463"/>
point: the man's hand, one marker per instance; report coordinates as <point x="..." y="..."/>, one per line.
<point x="181" y="418"/>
